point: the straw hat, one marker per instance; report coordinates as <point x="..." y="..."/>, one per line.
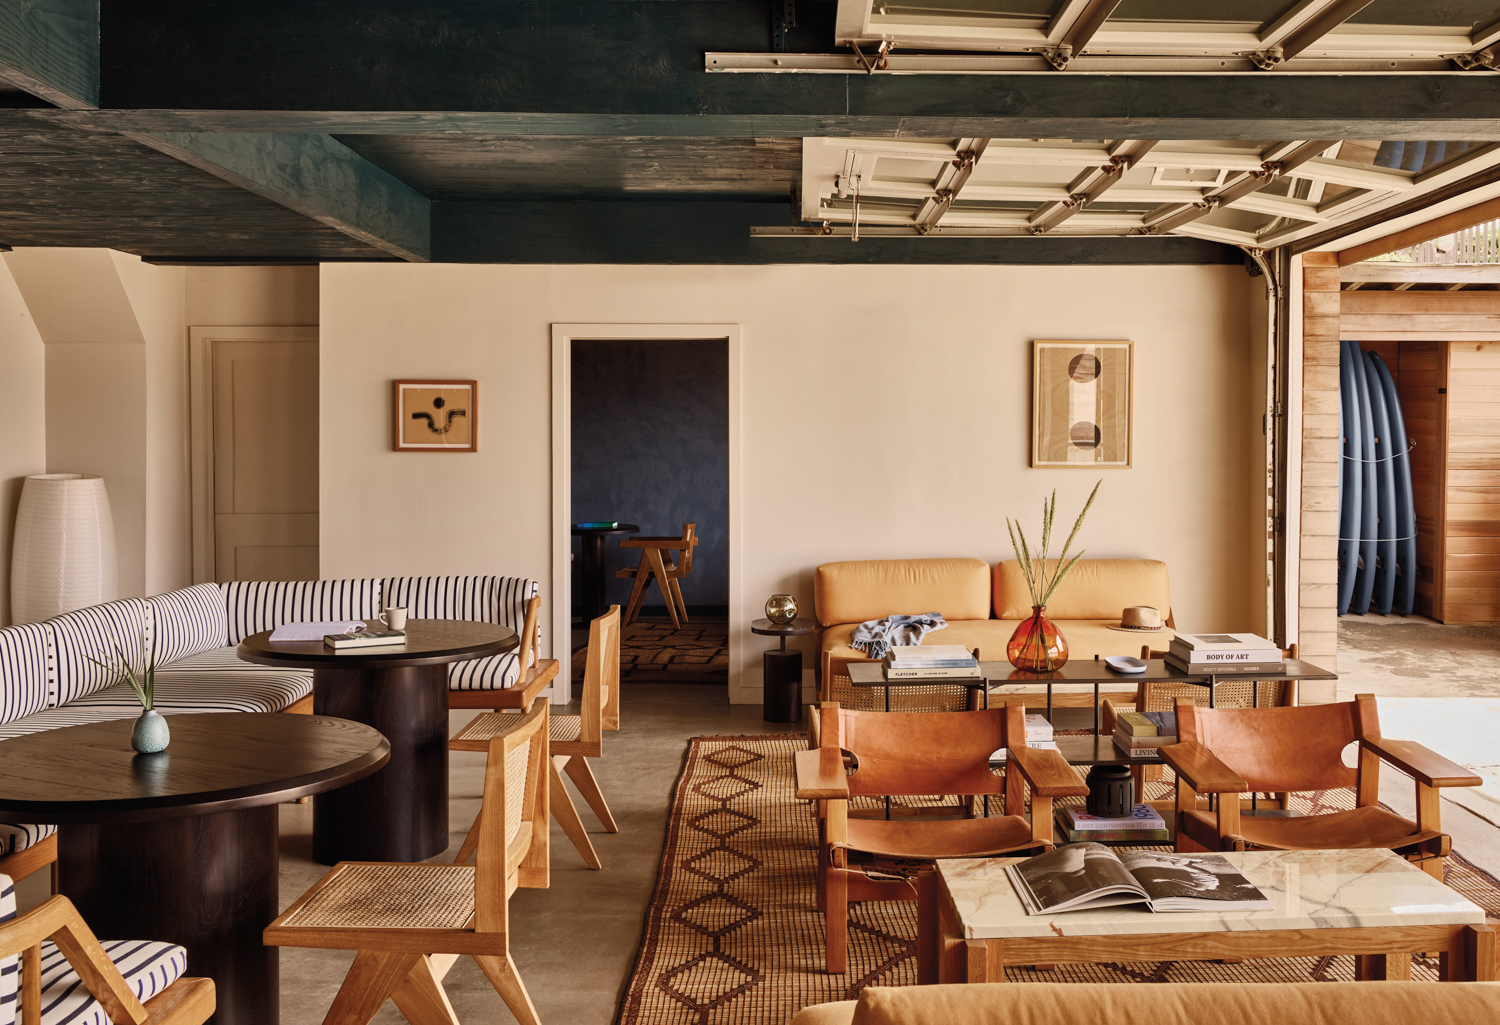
<point x="1139" y="619"/>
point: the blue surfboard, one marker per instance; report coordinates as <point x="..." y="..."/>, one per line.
<point x="1364" y="578"/>
<point x="1406" y="512"/>
<point x="1384" y="593"/>
<point x="1351" y="481"/>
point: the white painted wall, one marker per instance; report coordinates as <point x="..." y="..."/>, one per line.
<point x="23" y="412"/>
<point x="851" y="376"/>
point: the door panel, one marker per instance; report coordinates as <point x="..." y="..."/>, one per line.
<point x="265" y="444"/>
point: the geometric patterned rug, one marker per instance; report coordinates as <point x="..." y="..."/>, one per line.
<point x="654" y="652"/>
<point x="732" y="937"/>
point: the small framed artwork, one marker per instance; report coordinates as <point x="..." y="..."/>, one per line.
<point x="1081" y="404"/>
<point x="437" y="416"/>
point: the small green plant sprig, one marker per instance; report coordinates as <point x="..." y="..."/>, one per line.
<point x="144" y="685"/>
<point x="1040" y="585"/>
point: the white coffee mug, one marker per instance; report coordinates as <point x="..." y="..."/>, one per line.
<point x="394" y="619"/>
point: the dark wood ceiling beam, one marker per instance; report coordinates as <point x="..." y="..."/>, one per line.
<point x="317" y="176"/>
<point x="50" y="49"/>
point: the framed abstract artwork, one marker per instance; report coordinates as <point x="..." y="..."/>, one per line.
<point x="1081" y="404"/>
<point x="436" y="416"/>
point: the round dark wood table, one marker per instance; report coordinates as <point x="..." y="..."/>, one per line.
<point x="181" y="845"/>
<point x="781" y="693"/>
<point x="591" y="568"/>
<point x="401" y="812"/>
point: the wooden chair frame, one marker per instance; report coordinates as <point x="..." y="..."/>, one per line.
<point x="188" y="1001"/>
<point x="822" y="776"/>
<point x="408" y="965"/>
<point x="533" y="679"/>
<point x="600" y="703"/>
<point x="1200" y="771"/>
<point x="667" y="577"/>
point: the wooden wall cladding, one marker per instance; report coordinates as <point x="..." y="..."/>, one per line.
<point x="1471" y="566"/>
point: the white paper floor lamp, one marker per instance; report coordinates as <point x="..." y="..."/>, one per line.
<point x="63" y="557"/>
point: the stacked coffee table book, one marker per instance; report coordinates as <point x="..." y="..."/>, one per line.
<point x="936" y="662"/>
<point x="1139" y="734"/>
<point x="1212" y="654"/>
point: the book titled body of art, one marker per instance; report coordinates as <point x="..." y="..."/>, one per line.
<point x="1080" y="876"/>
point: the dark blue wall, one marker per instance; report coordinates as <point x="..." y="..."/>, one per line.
<point x="651" y="447"/>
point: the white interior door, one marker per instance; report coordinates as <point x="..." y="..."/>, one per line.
<point x="262" y="413"/>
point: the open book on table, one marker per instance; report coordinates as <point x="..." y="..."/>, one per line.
<point x="1090" y="875"/>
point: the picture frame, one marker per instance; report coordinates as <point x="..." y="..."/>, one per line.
<point x="1082" y="404"/>
<point x="435" y="416"/>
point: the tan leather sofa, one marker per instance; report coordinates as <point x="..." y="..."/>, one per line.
<point x="984" y="604"/>
<point x="1050" y="1003"/>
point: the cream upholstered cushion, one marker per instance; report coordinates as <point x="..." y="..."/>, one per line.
<point x="853" y="592"/>
<point x="1093" y="589"/>
<point x="1050" y="1003"/>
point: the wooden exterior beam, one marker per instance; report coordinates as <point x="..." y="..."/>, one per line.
<point x="1479" y="213"/>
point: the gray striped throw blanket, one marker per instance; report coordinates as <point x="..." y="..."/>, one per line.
<point x="878" y="636"/>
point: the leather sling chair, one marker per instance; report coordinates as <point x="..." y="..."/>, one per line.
<point x="1233" y="751"/>
<point x="881" y="754"/>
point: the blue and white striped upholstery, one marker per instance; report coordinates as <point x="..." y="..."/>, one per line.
<point x="477" y="599"/>
<point x="256" y="605"/>
<point x="188" y="621"/>
<point x="148" y="966"/>
<point x="24" y="679"/>
<point x="18" y="838"/>
<point x="10" y="966"/>
<point x="96" y="632"/>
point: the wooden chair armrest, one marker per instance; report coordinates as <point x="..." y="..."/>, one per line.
<point x="58" y="920"/>
<point x="1047" y="773"/>
<point x="1421" y="763"/>
<point x="1108" y="715"/>
<point x="1202" y="769"/>
<point x="820" y="775"/>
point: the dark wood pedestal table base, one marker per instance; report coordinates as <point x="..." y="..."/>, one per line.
<point x="180" y="845"/>
<point x="781" y="695"/>
<point x="591" y="569"/>
<point x="401" y="812"/>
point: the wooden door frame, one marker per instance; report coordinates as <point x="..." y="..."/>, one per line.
<point x="563" y="336"/>
<point x="201" y="426"/>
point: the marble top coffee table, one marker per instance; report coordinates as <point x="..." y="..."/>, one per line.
<point x="1369" y="903"/>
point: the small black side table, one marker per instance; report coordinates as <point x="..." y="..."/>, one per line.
<point x="782" y="696"/>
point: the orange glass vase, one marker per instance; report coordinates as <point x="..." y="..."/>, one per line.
<point x="1037" y="645"/>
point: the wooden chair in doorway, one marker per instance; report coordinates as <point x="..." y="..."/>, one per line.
<point x="411" y="922"/>
<point x="666" y="572"/>
<point x="572" y="739"/>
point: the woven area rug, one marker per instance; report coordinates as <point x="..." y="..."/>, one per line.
<point x="654" y="652"/>
<point x="731" y="935"/>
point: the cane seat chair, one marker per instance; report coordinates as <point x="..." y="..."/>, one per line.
<point x="571" y="739"/>
<point x="411" y="922"/>
<point x="1231" y="751"/>
<point x="51" y="963"/>
<point x="535" y="672"/>
<point x="878" y="754"/>
<point x="667" y="572"/>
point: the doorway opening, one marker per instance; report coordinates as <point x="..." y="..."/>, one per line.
<point x="644" y="469"/>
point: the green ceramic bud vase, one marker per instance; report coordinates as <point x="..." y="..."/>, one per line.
<point x="151" y="733"/>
